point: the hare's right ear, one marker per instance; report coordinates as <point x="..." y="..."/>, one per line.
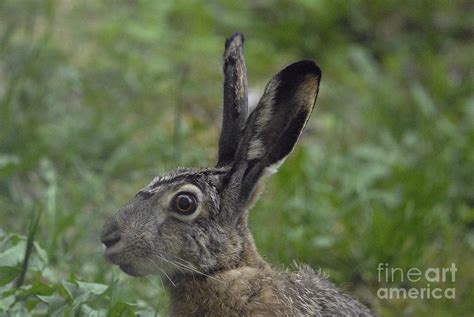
<point x="272" y="129"/>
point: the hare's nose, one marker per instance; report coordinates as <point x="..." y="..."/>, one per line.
<point x="110" y="234"/>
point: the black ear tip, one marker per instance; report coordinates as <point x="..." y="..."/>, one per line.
<point x="301" y="68"/>
<point x="235" y="37"/>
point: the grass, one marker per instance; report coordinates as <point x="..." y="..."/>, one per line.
<point x="96" y="99"/>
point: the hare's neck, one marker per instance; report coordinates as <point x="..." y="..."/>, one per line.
<point x="221" y="294"/>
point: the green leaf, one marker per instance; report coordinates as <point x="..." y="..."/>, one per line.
<point x="70" y="288"/>
<point x="121" y="309"/>
<point x="79" y="293"/>
<point x="38" y="288"/>
<point x="51" y="300"/>
<point x="78" y="300"/>
<point x="56" y="304"/>
<point x="6" y="302"/>
<point x="13" y="255"/>
<point x="88" y="311"/>
<point x="94" y="288"/>
<point x="8" y="274"/>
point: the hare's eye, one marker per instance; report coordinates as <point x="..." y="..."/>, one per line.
<point x="184" y="203"/>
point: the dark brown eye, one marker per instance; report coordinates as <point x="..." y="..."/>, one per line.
<point x="184" y="203"/>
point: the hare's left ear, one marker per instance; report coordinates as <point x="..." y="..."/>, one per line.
<point x="235" y="99"/>
<point x="273" y="128"/>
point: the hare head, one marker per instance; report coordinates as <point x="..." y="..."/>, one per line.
<point x="195" y="220"/>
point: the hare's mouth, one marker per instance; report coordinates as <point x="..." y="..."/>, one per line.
<point x="130" y="270"/>
<point x="114" y="253"/>
<point x="128" y="263"/>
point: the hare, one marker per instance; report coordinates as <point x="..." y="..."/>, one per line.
<point x="190" y="226"/>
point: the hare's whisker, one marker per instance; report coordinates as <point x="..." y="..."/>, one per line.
<point x="162" y="271"/>
<point x="188" y="267"/>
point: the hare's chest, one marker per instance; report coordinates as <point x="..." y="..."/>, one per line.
<point x="239" y="292"/>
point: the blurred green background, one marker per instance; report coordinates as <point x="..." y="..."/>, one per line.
<point x="98" y="97"/>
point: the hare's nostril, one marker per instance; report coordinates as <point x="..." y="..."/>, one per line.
<point x="110" y="234"/>
<point x="110" y="241"/>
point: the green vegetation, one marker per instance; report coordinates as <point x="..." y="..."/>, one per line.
<point x="97" y="97"/>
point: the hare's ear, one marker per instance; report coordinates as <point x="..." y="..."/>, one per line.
<point x="273" y="128"/>
<point x="235" y="99"/>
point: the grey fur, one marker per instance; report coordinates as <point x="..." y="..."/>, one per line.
<point x="208" y="258"/>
